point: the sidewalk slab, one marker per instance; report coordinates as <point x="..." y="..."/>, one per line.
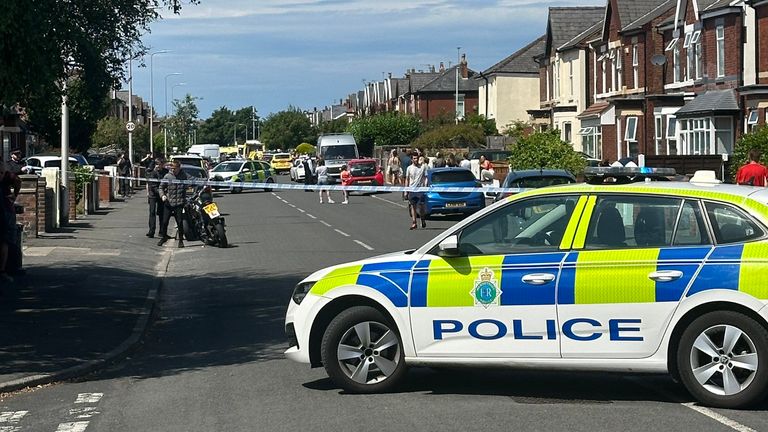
<point x="86" y="298"/>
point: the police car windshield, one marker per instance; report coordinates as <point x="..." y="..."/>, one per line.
<point x="228" y="166"/>
<point x="339" y="152"/>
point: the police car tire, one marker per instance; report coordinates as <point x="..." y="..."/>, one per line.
<point x="269" y="189"/>
<point x="755" y="392"/>
<point x="236" y="189"/>
<point x="343" y="322"/>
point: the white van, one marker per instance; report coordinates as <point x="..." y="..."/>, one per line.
<point x="206" y="150"/>
<point x="337" y="150"/>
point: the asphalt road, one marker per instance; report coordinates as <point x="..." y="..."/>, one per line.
<point x="213" y="358"/>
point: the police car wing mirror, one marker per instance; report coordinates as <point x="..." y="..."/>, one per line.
<point x="449" y="247"/>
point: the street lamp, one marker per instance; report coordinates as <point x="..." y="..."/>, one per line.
<point x="173" y="87"/>
<point x="152" y="102"/>
<point x="458" y="66"/>
<point x="165" y="126"/>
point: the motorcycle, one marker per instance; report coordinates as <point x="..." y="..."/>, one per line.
<point x="202" y="220"/>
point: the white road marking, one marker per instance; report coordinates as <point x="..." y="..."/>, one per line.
<point x="12" y="416"/>
<point x="719" y="417"/>
<point x="275" y="195"/>
<point x="10" y="428"/>
<point x="363" y="245"/>
<point x="72" y="427"/>
<point x="341" y="232"/>
<point x="89" y="397"/>
<point x="301" y="210"/>
<point x="391" y="202"/>
<point x="326" y="223"/>
<point x="84" y="413"/>
<point x="292" y="205"/>
<point x="313" y="217"/>
<point x="284" y="201"/>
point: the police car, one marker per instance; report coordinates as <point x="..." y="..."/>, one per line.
<point x="646" y="277"/>
<point x="238" y="172"/>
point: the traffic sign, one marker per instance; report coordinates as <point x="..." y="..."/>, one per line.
<point x="130" y="126"/>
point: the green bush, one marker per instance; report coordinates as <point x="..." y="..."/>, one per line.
<point x="545" y="150"/>
<point x="452" y="136"/>
<point x="305" y="148"/>
<point x="83" y="176"/>
<point x="757" y="139"/>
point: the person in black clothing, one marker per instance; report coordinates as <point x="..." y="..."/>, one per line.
<point x="156" y="173"/>
<point x="10" y="185"/>
<point x="173" y="194"/>
<point x="14" y="165"/>
<point x="309" y="176"/>
<point x="124" y="171"/>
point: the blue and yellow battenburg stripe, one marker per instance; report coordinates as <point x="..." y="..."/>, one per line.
<point x="741" y="267"/>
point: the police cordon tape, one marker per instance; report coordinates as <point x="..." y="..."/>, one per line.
<point x="314" y="187"/>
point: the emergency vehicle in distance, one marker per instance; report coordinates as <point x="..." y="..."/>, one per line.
<point x="650" y="277"/>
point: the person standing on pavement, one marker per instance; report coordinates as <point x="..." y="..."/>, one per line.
<point x="465" y="162"/>
<point x="753" y="173"/>
<point x="10" y="185"/>
<point x="309" y="175"/>
<point x="417" y="177"/>
<point x="156" y="206"/>
<point x="439" y="161"/>
<point x="14" y="165"/>
<point x="173" y="193"/>
<point x="124" y="171"/>
<point x="346" y="180"/>
<point x="323" y="179"/>
<point x="393" y="169"/>
<point x="405" y="161"/>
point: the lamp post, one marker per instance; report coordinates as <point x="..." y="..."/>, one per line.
<point x="165" y="126"/>
<point x="173" y="87"/>
<point x="458" y="66"/>
<point x="152" y="102"/>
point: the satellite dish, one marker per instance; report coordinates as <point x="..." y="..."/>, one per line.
<point x="659" y="59"/>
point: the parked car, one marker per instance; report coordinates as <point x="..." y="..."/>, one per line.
<point x="99" y="161"/>
<point x="235" y="173"/>
<point x="453" y="202"/>
<point x="365" y="172"/>
<point x="191" y="159"/>
<point x="297" y="170"/>
<point x="281" y="162"/>
<point x="35" y="164"/>
<point x="533" y="179"/>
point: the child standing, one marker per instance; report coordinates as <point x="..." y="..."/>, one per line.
<point x="346" y="180"/>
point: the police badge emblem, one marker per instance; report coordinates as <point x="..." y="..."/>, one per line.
<point x="486" y="292"/>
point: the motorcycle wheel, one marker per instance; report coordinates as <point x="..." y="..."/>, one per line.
<point x="221" y="235"/>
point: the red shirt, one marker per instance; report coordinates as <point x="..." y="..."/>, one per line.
<point x="346" y="177"/>
<point x="752" y="173"/>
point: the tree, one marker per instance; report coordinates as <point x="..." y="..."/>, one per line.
<point x="287" y="129"/>
<point x="388" y="129"/>
<point x="182" y="122"/>
<point x="545" y="150"/>
<point x="305" y="148"/>
<point x="42" y="47"/>
<point x="487" y="125"/>
<point x="334" y="126"/>
<point x="452" y="136"/>
<point x="757" y="139"/>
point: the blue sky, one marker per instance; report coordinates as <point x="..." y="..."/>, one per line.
<point x="311" y="53"/>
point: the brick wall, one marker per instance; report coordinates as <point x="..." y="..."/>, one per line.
<point x="761" y="14"/>
<point x="609" y="142"/>
<point x="29" y="196"/>
<point x="444" y="104"/>
<point x="71" y="200"/>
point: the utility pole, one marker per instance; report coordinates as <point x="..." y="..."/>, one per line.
<point x="456" y="102"/>
<point x="130" y="110"/>
<point x="253" y="121"/>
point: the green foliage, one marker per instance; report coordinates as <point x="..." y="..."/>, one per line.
<point x="518" y="129"/>
<point x="757" y="139"/>
<point x="220" y="129"/>
<point x="83" y="176"/>
<point x="545" y="150"/>
<point x="305" y="148"/>
<point x="283" y="130"/>
<point x="110" y="131"/>
<point x="487" y="125"/>
<point x="333" y="126"/>
<point x="388" y="129"/>
<point x="452" y="136"/>
<point x="182" y="123"/>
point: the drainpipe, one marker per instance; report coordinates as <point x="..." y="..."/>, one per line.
<point x="486" y="93"/>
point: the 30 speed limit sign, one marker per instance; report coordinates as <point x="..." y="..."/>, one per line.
<point x="130" y="126"/>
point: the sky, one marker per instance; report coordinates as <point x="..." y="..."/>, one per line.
<point x="311" y="53"/>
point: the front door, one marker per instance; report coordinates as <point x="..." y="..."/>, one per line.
<point x="497" y="299"/>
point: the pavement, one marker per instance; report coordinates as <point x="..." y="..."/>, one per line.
<point x="86" y="299"/>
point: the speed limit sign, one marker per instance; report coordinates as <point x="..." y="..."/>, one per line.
<point x="130" y="126"/>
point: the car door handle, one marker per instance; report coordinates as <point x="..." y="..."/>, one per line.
<point x="538" y="278"/>
<point x="665" y="275"/>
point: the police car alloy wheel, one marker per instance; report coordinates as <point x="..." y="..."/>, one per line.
<point x="723" y="359"/>
<point x="238" y="189"/>
<point x="362" y="351"/>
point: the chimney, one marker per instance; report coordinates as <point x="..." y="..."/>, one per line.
<point x="463" y="67"/>
<point x="442" y="67"/>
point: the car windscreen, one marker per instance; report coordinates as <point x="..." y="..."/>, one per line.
<point x="188" y="161"/>
<point x="228" y="166"/>
<point x="453" y="176"/>
<point x="339" y="152"/>
<point x="281" y="157"/>
<point x="363" y="169"/>
<point x="537" y="182"/>
<point x="193" y="172"/>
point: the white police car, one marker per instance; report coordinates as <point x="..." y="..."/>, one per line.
<point x="647" y="277"/>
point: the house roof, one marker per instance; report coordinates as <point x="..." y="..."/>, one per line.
<point x="420" y="79"/>
<point x="632" y="10"/>
<point x="522" y="60"/>
<point x="565" y="23"/>
<point x="446" y="81"/>
<point x="400" y="87"/>
<point x="595" y="110"/>
<point x="594" y="30"/>
<point x="650" y="15"/>
<point x="704" y="6"/>
<point x="709" y="102"/>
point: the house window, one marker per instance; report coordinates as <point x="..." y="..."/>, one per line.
<point x="630" y="133"/>
<point x="635" y="66"/>
<point x="752" y="120"/>
<point x="699" y="65"/>
<point x="676" y="61"/>
<point x="696" y="136"/>
<point x="570" y="77"/>
<point x="605" y="78"/>
<point x="548" y="84"/>
<point x="567" y="132"/>
<point x="592" y="141"/>
<point x="690" y="63"/>
<point x="618" y="77"/>
<point x="659" y="133"/>
<point x="720" y="51"/>
<point x="723" y="135"/>
<point x="612" y="58"/>
<point x="460" y="107"/>
<point x="671" y="135"/>
<point x="556" y="79"/>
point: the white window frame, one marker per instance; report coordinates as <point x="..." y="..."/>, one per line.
<point x="635" y="66"/>
<point x="460" y="107"/>
<point x="556" y="80"/>
<point x="676" y="64"/>
<point x="568" y="130"/>
<point x="690" y="58"/>
<point x="605" y="75"/>
<point x="698" y="59"/>
<point x="627" y="137"/>
<point x="619" y="79"/>
<point x="586" y="130"/>
<point x="752" y="118"/>
<point x="696" y="38"/>
<point x="592" y="141"/>
<point x="671" y="45"/>
<point x="687" y="41"/>
<point x="672" y="134"/>
<point x="720" y="48"/>
<point x="658" y="132"/>
<point x="570" y="77"/>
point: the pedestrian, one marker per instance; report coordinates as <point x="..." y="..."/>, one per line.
<point x="346" y="180"/>
<point x="439" y="161"/>
<point x="753" y="173"/>
<point x="450" y="161"/>
<point x="309" y="174"/>
<point x="465" y="162"/>
<point x="156" y="206"/>
<point x="414" y="178"/>
<point x="323" y="179"/>
<point x="10" y="185"/>
<point x="486" y="170"/>
<point x="14" y="165"/>
<point x="147" y="162"/>
<point x="173" y="193"/>
<point x="124" y="171"/>
<point x="405" y="160"/>
<point x="393" y="168"/>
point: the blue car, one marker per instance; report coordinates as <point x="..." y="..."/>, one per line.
<point x="453" y="202"/>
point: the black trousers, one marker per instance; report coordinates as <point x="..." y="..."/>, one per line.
<point x="156" y="211"/>
<point x="124" y="187"/>
<point x="177" y="213"/>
